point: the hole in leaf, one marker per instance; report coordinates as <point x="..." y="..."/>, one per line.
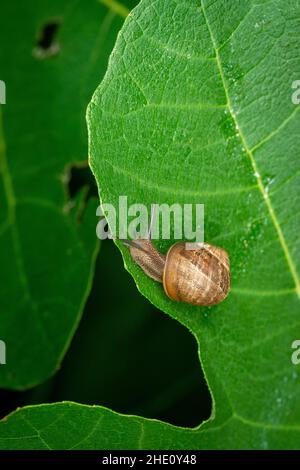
<point x="47" y="45"/>
<point x="79" y="176"/>
<point x="80" y="186"/>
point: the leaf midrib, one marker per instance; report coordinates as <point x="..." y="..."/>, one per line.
<point x="11" y="206"/>
<point x="116" y="7"/>
<point x="264" y="193"/>
<point x="12" y="223"/>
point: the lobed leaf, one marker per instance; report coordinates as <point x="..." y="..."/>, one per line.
<point x="196" y="108"/>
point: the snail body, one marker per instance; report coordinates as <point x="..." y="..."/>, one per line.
<point x="198" y="277"/>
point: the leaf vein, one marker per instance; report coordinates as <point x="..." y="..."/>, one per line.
<point x="172" y="189"/>
<point x="261" y="187"/>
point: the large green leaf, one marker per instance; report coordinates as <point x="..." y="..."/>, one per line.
<point x="196" y="108"/>
<point x="46" y="254"/>
<point x="72" y="426"/>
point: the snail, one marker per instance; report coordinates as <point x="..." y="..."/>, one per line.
<point x="199" y="276"/>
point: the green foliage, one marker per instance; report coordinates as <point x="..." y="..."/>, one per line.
<point x="72" y="426"/>
<point x="48" y="242"/>
<point x="195" y="107"/>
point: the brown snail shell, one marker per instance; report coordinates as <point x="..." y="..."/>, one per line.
<point x="199" y="276"/>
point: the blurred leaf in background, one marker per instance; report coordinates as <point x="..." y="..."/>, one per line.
<point x="52" y="56"/>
